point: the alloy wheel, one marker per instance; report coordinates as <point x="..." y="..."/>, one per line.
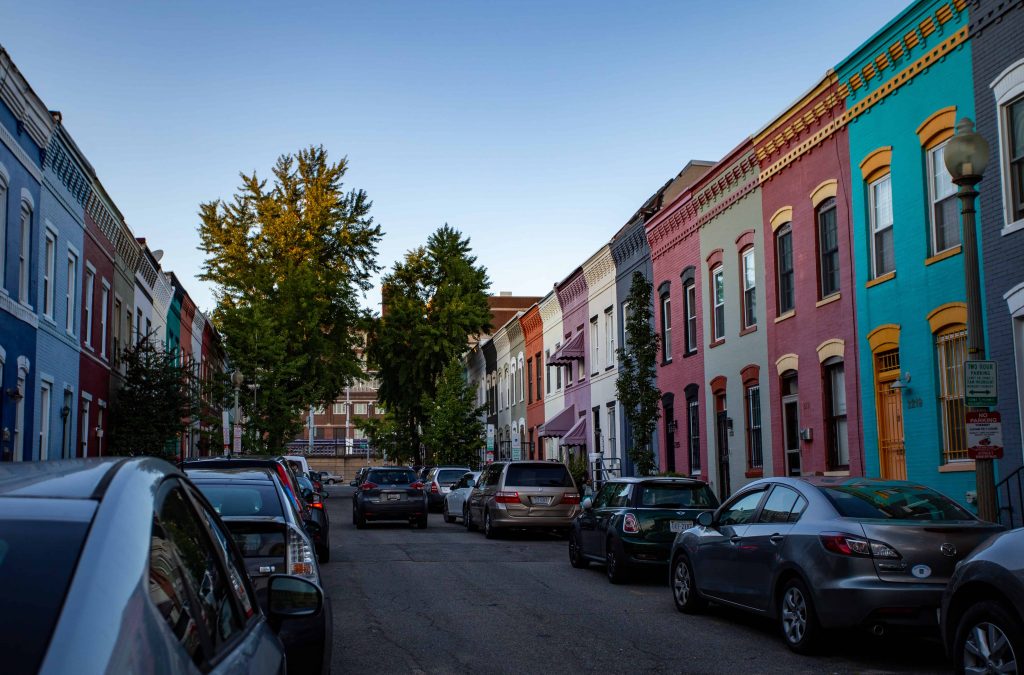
<point x="682" y="584"/>
<point x="794" y="615"/>
<point x="988" y="650"/>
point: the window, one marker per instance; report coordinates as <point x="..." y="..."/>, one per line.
<point x="540" y="393"/>
<point x="117" y="330"/>
<point x="547" y="370"/>
<point x="359" y="434"/>
<point x="362" y="408"/>
<point x="520" y="382"/>
<point x="950" y="351"/>
<point x="717" y="304"/>
<point x="693" y="433"/>
<point x="741" y="510"/>
<point x="835" y="421"/>
<point x="755" y="457"/>
<point x="784" y="265"/>
<point x="529" y="379"/>
<point x="828" y="248"/>
<point x="595" y="346"/>
<point x="84" y="440"/>
<point x="149" y="329"/>
<point x="104" y="306"/>
<point x="558" y="372"/>
<point x="339" y="408"/>
<point x="138" y="325"/>
<point x="883" y="258"/>
<point x="612" y="452"/>
<point x="666" y="328"/>
<point x="1014" y="122"/>
<point x="944" y="213"/>
<point x="90" y="287"/>
<point x="784" y="505"/>
<point x="48" y="274"/>
<point x="44" y="420"/>
<point x="69" y="316"/>
<point x="749" y="309"/>
<point x="320" y="410"/>
<point x="609" y="336"/>
<point x="690" y="306"/>
<point x="24" y="257"/>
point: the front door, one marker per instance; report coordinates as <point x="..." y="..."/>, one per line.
<point x="889" y="401"/>
<point x="791" y="431"/>
<point x="722" y="443"/>
<point x="670" y="439"/>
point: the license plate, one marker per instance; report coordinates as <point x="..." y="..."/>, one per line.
<point x="394" y="498"/>
<point x="680" y="525"/>
<point x="541" y="501"/>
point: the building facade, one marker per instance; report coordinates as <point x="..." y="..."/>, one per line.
<point x="554" y="399"/>
<point x="602" y="370"/>
<point x="533" y="341"/>
<point x="572" y="358"/>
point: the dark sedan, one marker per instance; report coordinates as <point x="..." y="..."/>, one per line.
<point x="390" y="493"/>
<point x="820" y="553"/>
<point x="632" y="522"/>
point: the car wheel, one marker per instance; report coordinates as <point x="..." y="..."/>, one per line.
<point x="358" y="519"/>
<point x="988" y="639"/>
<point x="797" y="620"/>
<point x="684" y="587"/>
<point x="576" y="558"/>
<point x="447" y="518"/>
<point x="467" y="518"/>
<point x="489" y="530"/>
<point x="614" y="566"/>
<point x="330" y="481"/>
<point x="323" y="554"/>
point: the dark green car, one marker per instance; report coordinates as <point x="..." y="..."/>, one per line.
<point x="632" y="522"/>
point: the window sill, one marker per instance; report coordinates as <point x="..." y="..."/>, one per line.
<point x="748" y="330"/>
<point x="957" y="467"/>
<point x="881" y="279"/>
<point x="1010" y="228"/>
<point x="692" y="352"/>
<point x="829" y="300"/>
<point x="786" y="315"/>
<point x="754" y="473"/>
<point x="607" y="368"/>
<point x="716" y="343"/>
<point x="948" y="253"/>
<point x="50" y="320"/>
<point x="837" y="473"/>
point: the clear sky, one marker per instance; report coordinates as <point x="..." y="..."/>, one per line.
<point x="536" y="127"/>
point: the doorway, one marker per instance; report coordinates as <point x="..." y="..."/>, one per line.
<point x="722" y="441"/>
<point x="791" y="422"/>
<point x="892" y="457"/>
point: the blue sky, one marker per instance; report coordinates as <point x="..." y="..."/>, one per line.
<point x="535" y="127"/>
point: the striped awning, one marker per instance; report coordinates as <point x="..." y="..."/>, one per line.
<point x="559" y="424"/>
<point x="569" y="352"/>
<point x="578" y="434"/>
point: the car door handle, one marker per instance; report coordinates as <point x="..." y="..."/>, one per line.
<point x="776" y="538"/>
<point x="734" y="539"/>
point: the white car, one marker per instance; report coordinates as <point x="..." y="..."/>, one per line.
<point x="455" y="501"/>
<point x="328" y="478"/>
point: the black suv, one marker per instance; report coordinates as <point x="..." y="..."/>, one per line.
<point x="390" y="493"/>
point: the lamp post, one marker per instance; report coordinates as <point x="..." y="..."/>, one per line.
<point x="966" y="157"/>
<point x="237" y="379"/>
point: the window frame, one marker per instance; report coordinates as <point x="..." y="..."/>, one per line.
<point x="748" y="305"/>
<point x="931" y="165"/>
<point x="827" y="206"/>
<point x="72" y="286"/>
<point x="595" y="345"/>
<point x="754" y="431"/>
<point x="833" y="417"/>
<point x="717" y="305"/>
<point x="693" y="433"/>
<point x="950" y="352"/>
<point x="609" y="337"/>
<point x="874" y="230"/>
<point x="25" y="253"/>
<point x="690" y="310"/>
<point x="666" y="327"/>
<point x="49" y="273"/>
<point x="1008" y="96"/>
<point x="89" y="286"/>
<point x="4" y="192"/>
<point x="785" y="274"/>
<point x="104" y="308"/>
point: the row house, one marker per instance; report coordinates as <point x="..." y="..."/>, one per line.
<point x="554" y="399"/>
<point x="504" y="377"/>
<point x="533" y="341"/>
<point x="515" y="436"/>
<point x="601" y="360"/>
<point x="571" y="425"/>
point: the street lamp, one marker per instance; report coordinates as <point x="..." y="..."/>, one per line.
<point x="237" y="379"/>
<point x="966" y="156"/>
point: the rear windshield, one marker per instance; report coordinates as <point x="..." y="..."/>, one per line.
<point x="446" y="476"/>
<point x="257" y="542"/>
<point x="677" y="496"/>
<point x="898" y="502"/>
<point x="538" y="475"/>
<point x="37" y="560"/>
<point x="392" y="477"/>
<point x="245" y="499"/>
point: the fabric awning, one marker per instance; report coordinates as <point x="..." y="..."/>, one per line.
<point x="570" y="351"/>
<point x="578" y="434"/>
<point x="560" y="423"/>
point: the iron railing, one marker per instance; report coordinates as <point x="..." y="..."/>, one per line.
<point x="1010" y="495"/>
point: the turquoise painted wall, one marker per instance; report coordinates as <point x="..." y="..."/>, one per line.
<point x="917" y="288"/>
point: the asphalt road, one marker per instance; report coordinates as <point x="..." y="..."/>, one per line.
<point x="444" y="600"/>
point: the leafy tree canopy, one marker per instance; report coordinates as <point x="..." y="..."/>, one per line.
<point x="454" y="432"/>
<point x="637" y="392"/>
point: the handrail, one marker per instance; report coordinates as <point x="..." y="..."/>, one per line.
<point x="1015" y="515"/>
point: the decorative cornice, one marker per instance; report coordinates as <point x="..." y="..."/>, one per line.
<point x="27" y="107"/>
<point x="630" y="245"/>
<point x="514" y="329"/>
<point x="501" y="341"/>
<point x="571" y="290"/>
<point x="532" y="323"/>
<point x="550" y="310"/>
<point x="18" y="310"/>
<point x="599" y="268"/>
<point x="12" y="144"/>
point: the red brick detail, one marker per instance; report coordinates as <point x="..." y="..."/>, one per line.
<point x="745" y="239"/>
<point x="750" y="374"/>
<point x="717" y="385"/>
<point x="714" y="258"/>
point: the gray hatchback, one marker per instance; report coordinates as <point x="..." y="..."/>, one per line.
<point x="819" y="553"/>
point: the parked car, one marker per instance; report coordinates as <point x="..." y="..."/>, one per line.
<point x="632" y="522"/>
<point x="138" y="572"/>
<point x="254" y="505"/>
<point x="455" y="501"/>
<point x="523" y="494"/>
<point x="328" y="478"/>
<point x="390" y="493"/>
<point x="820" y="553"/>
<point x="314" y="522"/>
<point x="983" y="607"/>
<point x="439" y="481"/>
<point x="318" y="515"/>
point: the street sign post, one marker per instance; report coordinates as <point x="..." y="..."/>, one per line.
<point x="984" y="435"/>
<point x="517" y="446"/>
<point x="980" y="387"/>
<point x="490" y="443"/>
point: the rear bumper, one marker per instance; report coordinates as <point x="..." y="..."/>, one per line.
<point x="501" y="517"/>
<point x="399" y="511"/>
<point x="863" y="601"/>
<point x="646" y="553"/>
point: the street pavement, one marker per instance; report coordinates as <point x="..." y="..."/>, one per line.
<point x="444" y="600"/>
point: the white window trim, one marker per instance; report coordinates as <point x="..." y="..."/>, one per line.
<point x="717" y="331"/>
<point x="930" y="155"/>
<point x="104" y="310"/>
<point x="49" y="272"/>
<point x="690" y="309"/>
<point x="89" y="284"/>
<point x="72" y="287"/>
<point x="595" y="345"/>
<point x="25" y="250"/>
<point x="666" y="328"/>
<point x="874" y="230"/>
<point x="748" y="253"/>
<point x="1005" y="88"/>
<point x="609" y="329"/>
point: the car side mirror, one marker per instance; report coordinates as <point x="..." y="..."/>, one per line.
<point x="706" y="519"/>
<point x="314" y="498"/>
<point x="587" y="504"/>
<point x="290" y="597"/>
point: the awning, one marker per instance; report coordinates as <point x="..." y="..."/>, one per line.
<point x="570" y="351"/>
<point x="578" y="434"/>
<point x="560" y="423"/>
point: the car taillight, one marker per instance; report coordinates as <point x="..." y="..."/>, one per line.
<point x="433" y="488"/>
<point x="300" y="556"/>
<point x="630" y="524"/>
<point x="506" y="497"/>
<point x="848" y="544"/>
<point x="368" y="486"/>
<point x="418" y="485"/>
<point x="317" y="505"/>
<point x="571" y="498"/>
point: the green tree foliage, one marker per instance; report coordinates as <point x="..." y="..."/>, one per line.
<point x="635" y="386"/>
<point x="154" y="405"/>
<point x="454" y="432"/>
<point x="390" y="436"/>
<point x="290" y="260"/>
<point x="434" y="300"/>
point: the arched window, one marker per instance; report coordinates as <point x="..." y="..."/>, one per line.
<point x="785" y="288"/>
<point x="828" y="248"/>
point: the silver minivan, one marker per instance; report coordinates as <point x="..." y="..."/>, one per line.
<point x="523" y="495"/>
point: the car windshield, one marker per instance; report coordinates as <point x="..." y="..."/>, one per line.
<point x="393" y="477"/>
<point x="242" y="499"/>
<point x="538" y="475"/>
<point x="677" y="496"/>
<point x="33" y="580"/>
<point x="447" y="476"/>
<point x="900" y="502"/>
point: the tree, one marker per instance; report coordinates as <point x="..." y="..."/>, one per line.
<point x="454" y="432"/>
<point x="155" y="404"/>
<point x="433" y="301"/>
<point x="635" y="385"/>
<point x="290" y="261"/>
<point x="390" y="436"/>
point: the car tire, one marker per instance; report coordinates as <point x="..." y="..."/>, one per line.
<point x="323" y="553"/>
<point x="358" y="519"/>
<point x="985" y="626"/>
<point x="684" y="587"/>
<point x="467" y="519"/>
<point x="798" y="621"/>
<point x="489" y="530"/>
<point x="330" y="481"/>
<point x="614" y="565"/>
<point x="576" y="558"/>
<point x="447" y="518"/>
